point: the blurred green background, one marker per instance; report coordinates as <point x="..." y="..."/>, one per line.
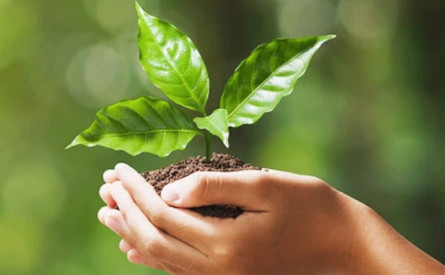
<point x="368" y="117"/>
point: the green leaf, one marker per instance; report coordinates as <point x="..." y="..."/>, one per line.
<point x="172" y="62"/>
<point x="268" y="74"/>
<point x="216" y="124"/>
<point x="142" y="125"/>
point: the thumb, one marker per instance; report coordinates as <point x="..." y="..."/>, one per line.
<point x="249" y="189"/>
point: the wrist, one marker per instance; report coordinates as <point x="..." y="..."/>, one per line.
<point x="343" y="245"/>
<point x="380" y="249"/>
<point x="351" y="246"/>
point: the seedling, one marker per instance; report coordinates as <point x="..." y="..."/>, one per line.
<point x="174" y="65"/>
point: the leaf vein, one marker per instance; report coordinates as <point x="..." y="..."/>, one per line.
<point x="175" y="69"/>
<point x="264" y="81"/>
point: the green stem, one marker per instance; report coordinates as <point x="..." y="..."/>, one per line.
<point x="208" y="138"/>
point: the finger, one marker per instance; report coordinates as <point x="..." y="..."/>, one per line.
<point x="187" y="226"/>
<point x="109" y="176"/>
<point x="105" y="195"/>
<point x="115" y="221"/>
<point x="251" y="190"/>
<point x="149" y="240"/>
<point x="101" y="214"/>
<point x="124" y="246"/>
<point x="135" y="257"/>
<point x="104" y="213"/>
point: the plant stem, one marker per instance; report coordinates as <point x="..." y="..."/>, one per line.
<point x="208" y="138"/>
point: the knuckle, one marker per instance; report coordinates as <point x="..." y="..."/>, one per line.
<point x="325" y="188"/>
<point x="200" y="178"/>
<point x="319" y="184"/>
<point x="265" y="186"/>
<point x="226" y="257"/>
<point x="202" y="182"/>
<point x="157" y="216"/>
<point x="317" y="181"/>
<point x="224" y="254"/>
<point x="154" y="248"/>
<point x="320" y="187"/>
<point x="156" y="219"/>
<point x="261" y="179"/>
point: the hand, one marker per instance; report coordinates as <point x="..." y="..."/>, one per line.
<point x="158" y="249"/>
<point x="291" y="224"/>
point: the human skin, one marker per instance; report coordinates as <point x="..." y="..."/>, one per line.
<point x="292" y="224"/>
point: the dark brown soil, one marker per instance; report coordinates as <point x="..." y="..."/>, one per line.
<point x="219" y="162"/>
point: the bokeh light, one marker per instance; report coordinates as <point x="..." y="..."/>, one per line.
<point x="115" y="16"/>
<point x="368" y="20"/>
<point x="98" y="75"/>
<point x="306" y="18"/>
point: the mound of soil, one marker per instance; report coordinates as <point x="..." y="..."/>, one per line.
<point x="219" y="162"/>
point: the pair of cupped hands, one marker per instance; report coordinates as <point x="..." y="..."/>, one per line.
<point x="291" y="224"/>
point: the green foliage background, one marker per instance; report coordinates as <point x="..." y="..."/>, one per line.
<point x="368" y="117"/>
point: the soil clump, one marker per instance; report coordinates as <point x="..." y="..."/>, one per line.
<point x="219" y="162"/>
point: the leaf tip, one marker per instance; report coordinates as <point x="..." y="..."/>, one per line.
<point x="225" y="136"/>
<point x="137" y="6"/>
<point x="139" y="9"/>
<point x="226" y="143"/>
<point x="74" y="143"/>
<point x="328" y="37"/>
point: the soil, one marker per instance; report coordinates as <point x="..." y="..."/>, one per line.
<point x="219" y="162"/>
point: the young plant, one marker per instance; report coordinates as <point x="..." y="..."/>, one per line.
<point x="174" y="65"/>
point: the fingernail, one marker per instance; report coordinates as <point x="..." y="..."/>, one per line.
<point x="169" y="195"/>
<point x="113" y="224"/>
